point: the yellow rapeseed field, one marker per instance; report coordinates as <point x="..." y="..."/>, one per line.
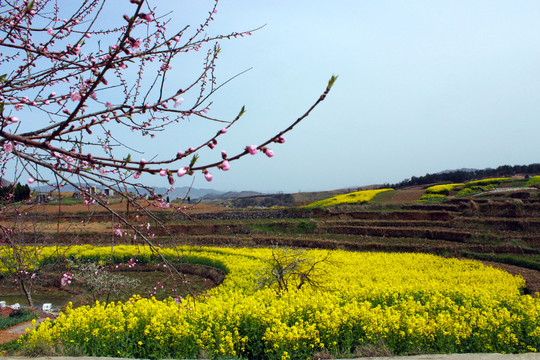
<point x="442" y="189"/>
<point x="406" y="302"/>
<point x="350" y="198"/>
<point x="488" y="181"/>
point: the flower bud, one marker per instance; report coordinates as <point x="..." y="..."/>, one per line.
<point x="252" y="149"/>
<point x="225" y="165"/>
<point x="182" y="171"/>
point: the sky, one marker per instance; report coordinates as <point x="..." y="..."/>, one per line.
<point x="424" y="86"/>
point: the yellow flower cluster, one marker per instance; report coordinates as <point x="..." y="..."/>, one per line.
<point x="350" y="198"/>
<point x="487" y="181"/>
<point x="533" y="180"/>
<point x="409" y="302"/>
<point x="441" y="189"/>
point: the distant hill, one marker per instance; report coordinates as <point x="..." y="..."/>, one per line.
<point x="230" y="195"/>
<point x="462" y="170"/>
<point x="185" y="191"/>
<point x="5" y="182"/>
<point x="211" y="196"/>
<point x="464" y="175"/>
<point x="181" y="192"/>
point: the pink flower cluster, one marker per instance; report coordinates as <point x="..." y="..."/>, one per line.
<point x="66" y="279"/>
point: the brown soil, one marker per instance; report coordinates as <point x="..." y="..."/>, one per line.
<point x="6" y="336"/>
<point x="120" y="207"/>
<point x="407" y="196"/>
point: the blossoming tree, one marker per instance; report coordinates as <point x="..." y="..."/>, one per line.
<point x="75" y="75"/>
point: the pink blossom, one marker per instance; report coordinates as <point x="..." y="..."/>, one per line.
<point x="143" y="161"/>
<point x="179" y="155"/>
<point x="8" y="147"/>
<point x="225" y="165"/>
<point x="182" y="171"/>
<point x="137" y="43"/>
<point x="75" y="96"/>
<point x="223" y="154"/>
<point x="252" y="149"/>
<point x="146" y="17"/>
<point x="117" y="232"/>
<point x="223" y="131"/>
<point x="50" y="31"/>
<point x="280" y="140"/>
<point x="108" y="105"/>
<point x="31" y="180"/>
<point x="269" y="153"/>
<point x="208" y="176"/>
<point x="178" y="102"/>
<point x="137" y="175"/>
<point x="162" y="172"/>
<point x="14" y="119"/>
<point x="93" y="96"/>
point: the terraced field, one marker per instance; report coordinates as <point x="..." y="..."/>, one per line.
<point x="499" y="229"/>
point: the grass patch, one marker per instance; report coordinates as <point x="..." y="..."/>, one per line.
<point x="432" y="197"/>
<point x="13" y="347"/>
<point x="283" y="227"/>
<point x="383" y="197"/>
<point x="510" y="259"/>
<point x="18" y="317"/>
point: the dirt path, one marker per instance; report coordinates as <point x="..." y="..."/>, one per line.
<point x="17" y="331"/>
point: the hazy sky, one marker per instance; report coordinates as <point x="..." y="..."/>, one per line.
<point x="423" y="86"/>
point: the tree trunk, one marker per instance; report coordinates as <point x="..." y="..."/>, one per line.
<point x="27" y="293"/>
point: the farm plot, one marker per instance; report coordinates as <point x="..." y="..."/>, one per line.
<point x="404" y="302"/>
